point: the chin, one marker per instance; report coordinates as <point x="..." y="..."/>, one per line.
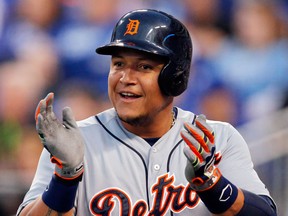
<point x="139" y="120"/>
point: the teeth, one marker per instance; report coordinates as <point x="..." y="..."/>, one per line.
<point x="128" y="94"/>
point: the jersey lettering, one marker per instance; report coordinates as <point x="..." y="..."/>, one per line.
<point x="167" y="196"/>
<point x="103" y="203"/>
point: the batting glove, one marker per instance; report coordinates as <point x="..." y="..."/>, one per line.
<point x="200" y="151"/>
<point x="62" y="139"/>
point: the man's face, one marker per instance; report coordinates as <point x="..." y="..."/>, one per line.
<point x="133" y="87"/>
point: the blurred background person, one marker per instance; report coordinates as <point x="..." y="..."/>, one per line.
<point x="247" y="55"/>
<point x="253" y="61"/>
<point x="84" y="99"/>
<point x="209" y="24"/>
<point x="87" y="25"/>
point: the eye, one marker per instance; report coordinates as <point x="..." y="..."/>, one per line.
<point x="145" y="67"/>
<point x="117" y="64"/>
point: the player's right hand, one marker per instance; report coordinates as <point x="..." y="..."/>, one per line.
<point x="200" y="151"/>
<point x="62" y="139"/>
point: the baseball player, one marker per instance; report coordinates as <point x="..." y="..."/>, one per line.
<point x="144" y="156"/>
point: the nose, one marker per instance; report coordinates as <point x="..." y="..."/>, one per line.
<point x="128" y="76"/>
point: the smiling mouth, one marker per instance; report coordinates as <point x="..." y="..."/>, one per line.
<point x="127" y="95"/>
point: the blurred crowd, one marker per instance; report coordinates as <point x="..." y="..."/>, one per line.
<point x="239" y="70"/>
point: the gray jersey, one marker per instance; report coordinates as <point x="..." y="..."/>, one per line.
<point x="124" y="175"/>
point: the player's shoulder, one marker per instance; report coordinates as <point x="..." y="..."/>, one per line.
<point x="105" y="117"/>
<point x="217" y="125"/>
<point x="184" y="115"/>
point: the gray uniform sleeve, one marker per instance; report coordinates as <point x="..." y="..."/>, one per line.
<point x="41" y="179"/>
<point x="236" y="164"/>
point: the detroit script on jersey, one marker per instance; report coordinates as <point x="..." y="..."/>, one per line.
<point x="167" y="196"/>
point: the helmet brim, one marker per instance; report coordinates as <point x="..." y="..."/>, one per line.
<point x="147" y="47"/>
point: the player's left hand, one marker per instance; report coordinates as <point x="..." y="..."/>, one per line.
<point x="200" y="151"/>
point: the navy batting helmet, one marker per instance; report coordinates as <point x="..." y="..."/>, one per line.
<point x="157" y="33"/>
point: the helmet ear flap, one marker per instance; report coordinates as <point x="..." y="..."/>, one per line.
<point x="173" y="79"/>
<point x="173" y="82"/>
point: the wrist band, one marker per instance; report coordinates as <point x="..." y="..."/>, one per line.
<point x="60" y="195"/>
<point x="257" y="205"/>
<point x="220" y="197"/>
